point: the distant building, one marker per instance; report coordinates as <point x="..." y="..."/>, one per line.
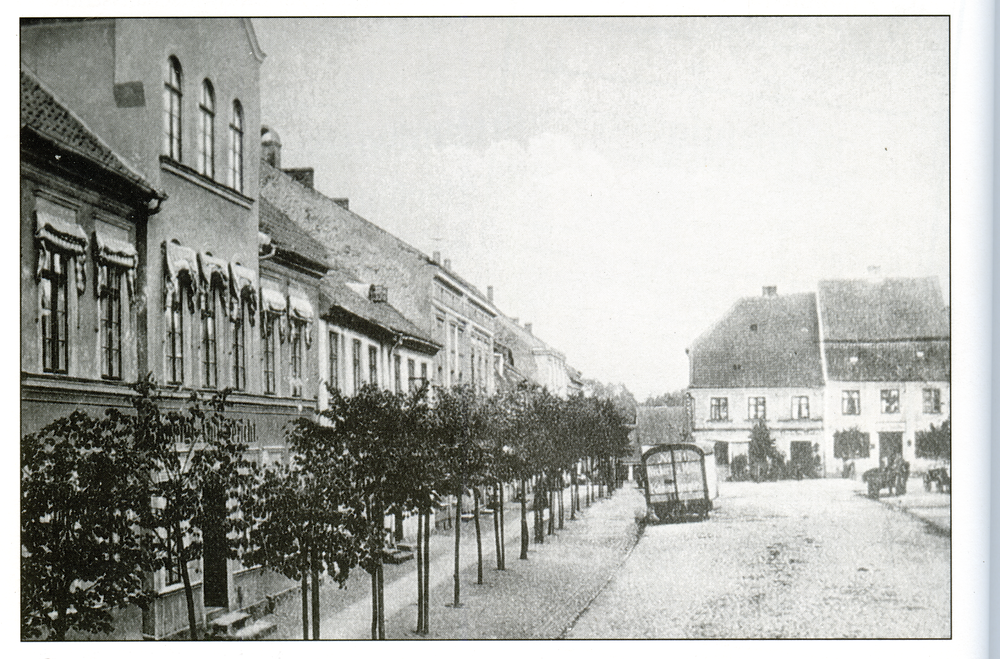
<point x="871" y="354"/>
<point x="365" y="340"/>
<point x="761" y="361"/>
<point x="887" y="364"/>
<point x="656" y="425"/>
<point x="530" y="358"/>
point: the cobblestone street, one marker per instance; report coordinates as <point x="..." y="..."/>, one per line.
<point x="805" y="559"/>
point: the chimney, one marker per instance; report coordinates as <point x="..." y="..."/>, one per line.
<point x="343" y="202"/>
<point x="527" y="328"/>
<point x="447" y="264"/>
<point x="303" y="175"/>
<point x="489" y="294"/>
<point x="378" y="293"/>
<point x="436" y="258"/>
<point x="770" y="291"/>
<point x="270" y="147"/>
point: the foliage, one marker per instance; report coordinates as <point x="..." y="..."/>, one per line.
<point x="669" y="399"/>
<point x="83" y="496"/>
<point x="739" y="468"/>
<point x="935" y="443"/>
<point x="851" y="444"/>
<point x="765" y="461"/>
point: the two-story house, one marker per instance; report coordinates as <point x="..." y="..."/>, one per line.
<point x="760" y="361"/>
<point x="887" y="364"/>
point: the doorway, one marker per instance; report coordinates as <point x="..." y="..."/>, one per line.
<point x="890" y="444"/>
<point x="216" y="586"/>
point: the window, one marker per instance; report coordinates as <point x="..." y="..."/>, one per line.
<point x="333" y="353"/>
<point x="171" y="566"/>
<point x="270" y="341"/>
<point x="175" y="338"/>
<point x="472" y="365"/>
<point x="890" y="401"/>
<point x="800" y="407"/>
<point x="236" y="148"/>
<point x="397" y="368"/>
<point x="172" y="110"/>
<point x="373" y="365"/>
<point x="111" y="325"/>
<point x="460" y="341"/>
<point x="356" y="359"/>
<point x="240" y="350"/>
<point x="452" y="343"/>
<point x="756" y="408"/>
<point x="209" y="353"/>
<point x="423" y="373"/>
<point x="297" y="357"/>
<point x="850" y="402"/>
<point x="719" y="409"/>
<point x="932" y="401"/>
<point x="54" y="286"/>
<point x="206" y="131"/>
<point x="411" y="372"/>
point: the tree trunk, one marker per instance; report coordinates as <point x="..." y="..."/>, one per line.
<point x="574" y="488"/>
<point x="538" y="507"/>
<point x="427" y="573"/>
<point x="374" y="604"/>
<point x="458" y="538"/>
<point x="420" y="571"/>
<point x="381" y="601"/>
<point x="315" y="593"/>
<point x="524" y="521"/>
<point x="496" y="525"/>
<point x="503" y="549"/>
<point x="560" y="504"/>
<point x="305" y="603"/>
<point x="479" y="537"/>
<point x="188" y="591"/>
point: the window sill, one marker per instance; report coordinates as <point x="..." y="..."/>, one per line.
<point x="188" y="174"/>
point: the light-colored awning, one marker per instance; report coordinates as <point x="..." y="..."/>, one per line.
<point x="214" y="271"/>
<point x="181" y="260"/>
<point x="60" y="234"/>
<point x="301" y="308"/>
<point x="115" y="252"/>
<point x="273" y="300"/>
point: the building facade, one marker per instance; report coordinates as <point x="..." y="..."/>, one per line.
<point x="425" y="289"/>
<point x="887" y="363"/>
<point x="761" y="361"/>
<point x="179" y="100"/>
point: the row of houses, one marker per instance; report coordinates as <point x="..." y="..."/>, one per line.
<point x="872" y="354"/>
<point x="160" y="234"/>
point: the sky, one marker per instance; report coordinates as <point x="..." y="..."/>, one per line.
<point x="622" y="182"/>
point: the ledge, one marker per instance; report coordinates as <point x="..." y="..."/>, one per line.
<point x="183" y="171"/>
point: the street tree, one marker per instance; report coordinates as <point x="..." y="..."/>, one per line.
<point x="84" y="497"/>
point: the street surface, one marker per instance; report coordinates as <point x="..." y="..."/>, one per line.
<point x="794" y="559"/>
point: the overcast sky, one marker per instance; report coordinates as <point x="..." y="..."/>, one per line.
<point x="622" y="182"/>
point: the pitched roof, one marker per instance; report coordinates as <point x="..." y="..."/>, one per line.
<point x="889" y="361"/>
<point x="336" y="293"/>
<point x="761" y="342"/>
<point x="883" y="310"/>
<point x="287" y="236"/>
<point x="50" y="119"/>
<point x="661" y="425"/>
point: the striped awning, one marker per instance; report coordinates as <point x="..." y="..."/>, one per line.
<point x="273" y="300"/>
<point x="60" y="234"/>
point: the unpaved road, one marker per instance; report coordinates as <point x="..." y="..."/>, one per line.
<point x="796" y="559"/>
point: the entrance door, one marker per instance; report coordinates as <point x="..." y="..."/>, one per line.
<point x="801" y="456"/>
<point x="216" y="575"/>
<point x="890" y="444"/>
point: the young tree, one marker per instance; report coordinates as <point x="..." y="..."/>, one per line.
<point x="200" y="480"/>
<point x="84" y="497"/>
<point x="765" y="460"/>
<point x="850" y="444"/>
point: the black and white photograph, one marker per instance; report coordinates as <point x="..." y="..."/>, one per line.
<point x="445" y="327"/>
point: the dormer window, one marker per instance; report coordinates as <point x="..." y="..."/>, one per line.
<point x="853" y="359"/>
<point x="753" y="327"/>
<point x="920" y="354"/>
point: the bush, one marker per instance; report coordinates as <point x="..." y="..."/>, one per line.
<point x="739" y="469"/>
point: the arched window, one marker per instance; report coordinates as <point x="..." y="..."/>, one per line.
<point x="172" y="110"/>
<point x="206" y="138"/>
<point x="236" y="148"/>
